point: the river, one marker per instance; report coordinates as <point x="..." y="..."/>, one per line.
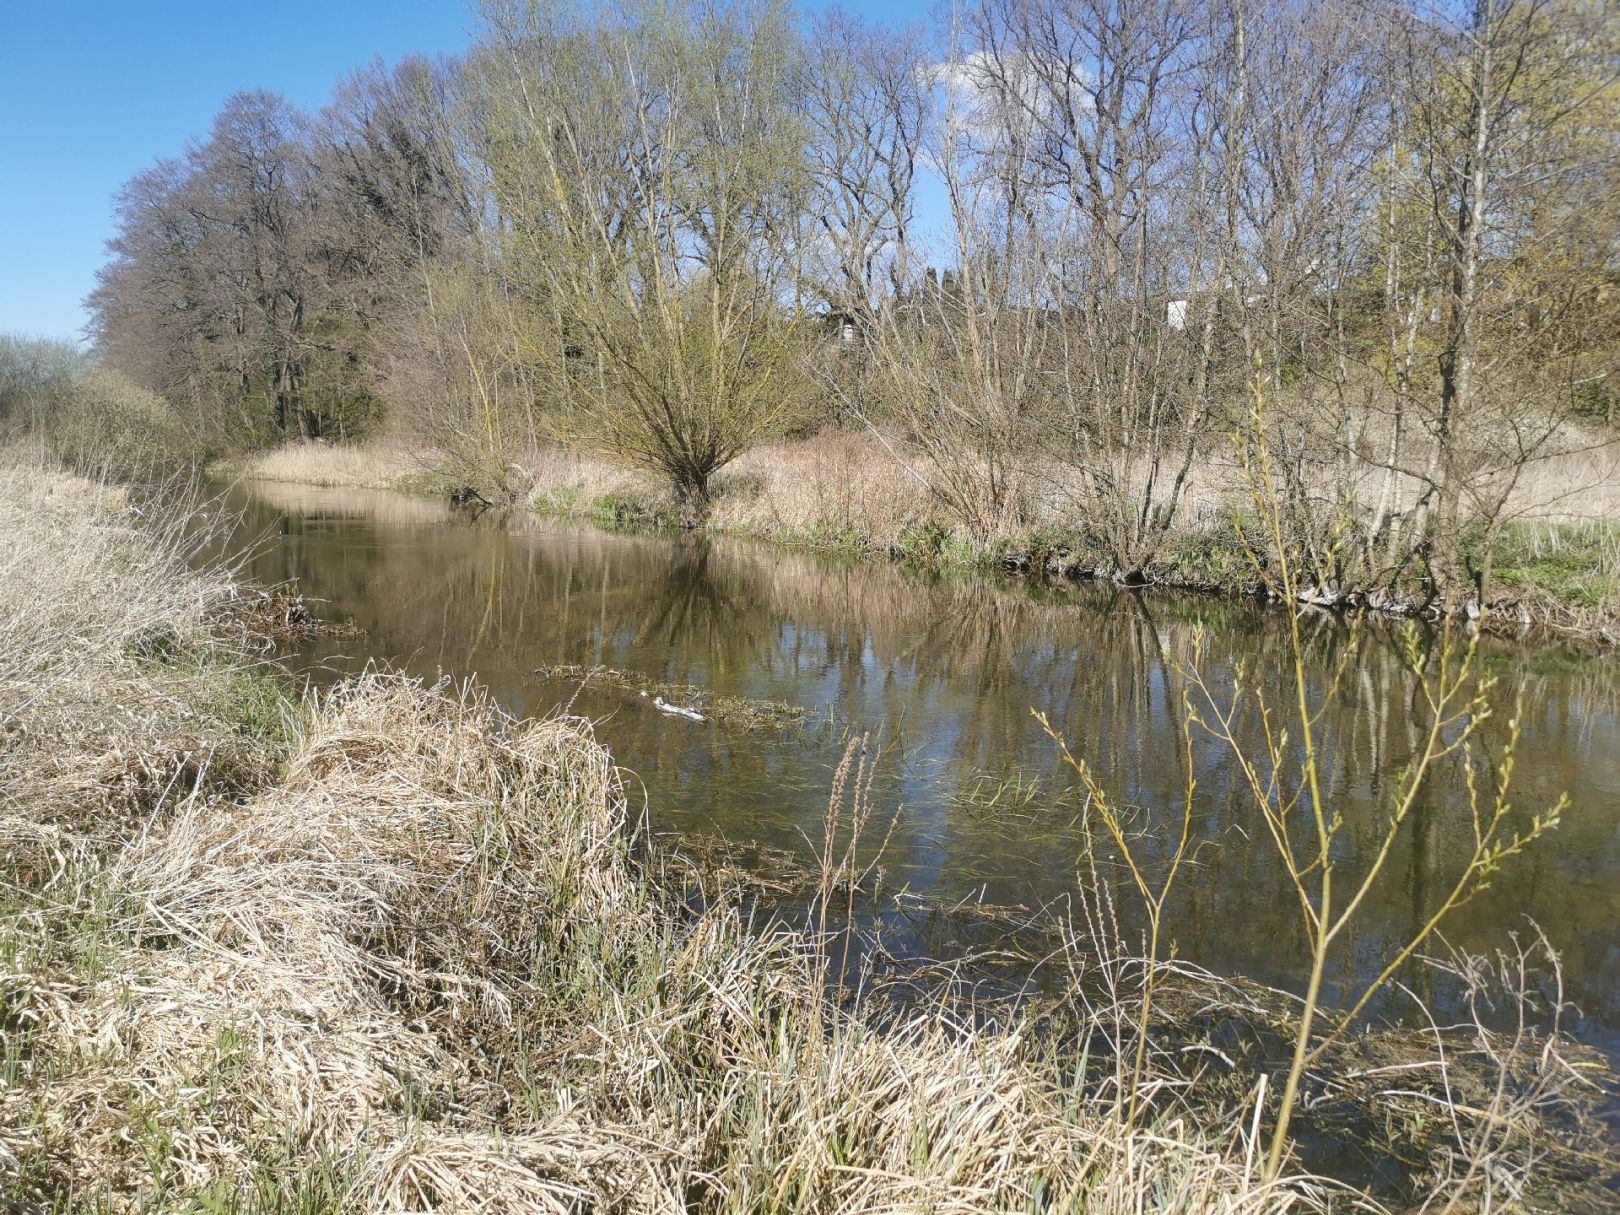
<point x="943" y="675"/>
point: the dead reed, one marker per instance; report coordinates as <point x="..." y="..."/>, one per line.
<point x="370" y="465"/>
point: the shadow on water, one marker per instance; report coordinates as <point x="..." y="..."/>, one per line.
<point x="944" y="675"/>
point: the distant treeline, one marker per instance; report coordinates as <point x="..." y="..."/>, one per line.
<point x="1060" y="254"/>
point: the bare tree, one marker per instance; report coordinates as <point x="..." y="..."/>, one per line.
<point x="654" y="230"/>
<point x="1060" y="146"/>
<point x="864" y="100"/>
<point x="1506" y="116"/>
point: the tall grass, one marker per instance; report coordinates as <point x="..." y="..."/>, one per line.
<point x="370" y="466"/>
<point x="428" y="962"/>
<point x="121" y="671"/>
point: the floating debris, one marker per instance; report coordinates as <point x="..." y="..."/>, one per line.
<point x="284" y="617"/>
<point x="664" y="706"/>
<point x="684" y="699"/>
<point x="1004" y="913"/>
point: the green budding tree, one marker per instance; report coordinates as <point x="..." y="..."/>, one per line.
<point x="646" y="163"/>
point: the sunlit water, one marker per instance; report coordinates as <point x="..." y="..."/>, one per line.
<point x="944" y="675"/>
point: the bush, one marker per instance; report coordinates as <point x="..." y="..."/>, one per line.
<point x="97" y="421"/>
<point x="108" y="426"/>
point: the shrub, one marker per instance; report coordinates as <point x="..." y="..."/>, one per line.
<point x="109" y="426"/>
<point x="95" y="420"/>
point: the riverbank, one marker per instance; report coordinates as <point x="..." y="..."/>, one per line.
<point x="393" y="950"/>
<point x="1553" y="569"/>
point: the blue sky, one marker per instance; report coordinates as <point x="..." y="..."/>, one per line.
<point x="92" y="91"/>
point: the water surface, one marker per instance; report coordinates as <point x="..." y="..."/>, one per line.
<point x="943" y="674"/>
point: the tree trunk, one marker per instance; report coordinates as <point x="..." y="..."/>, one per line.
<point x="1457" y="358"/>
<point x="693" y="495"/>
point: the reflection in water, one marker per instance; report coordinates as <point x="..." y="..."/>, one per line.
<point x="946" y="675"/>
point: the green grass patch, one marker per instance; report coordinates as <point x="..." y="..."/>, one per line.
<point x="428" y="483"/>
<point x="257" y="702"/>
<point x="1577" y="564"/>
<point x="629" y="511"/>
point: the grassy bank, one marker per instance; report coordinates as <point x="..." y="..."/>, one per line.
<point x="393" y="950"/>
<point x="845" y="493"/>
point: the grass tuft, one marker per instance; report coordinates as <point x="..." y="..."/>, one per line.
<point x="429" y="954"/>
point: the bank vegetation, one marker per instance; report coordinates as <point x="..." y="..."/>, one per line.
<point x="1019" y="269"/>
<point x="390" y="949"/>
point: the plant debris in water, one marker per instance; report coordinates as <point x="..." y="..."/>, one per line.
<point x="738" y="712"/>
<point x="284" y="617"/>
<point x="707" y="861"/>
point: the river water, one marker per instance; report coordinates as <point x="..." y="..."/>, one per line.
<point x="943" y="675"/>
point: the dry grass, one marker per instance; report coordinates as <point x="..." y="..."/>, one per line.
<point x="422" y="967"/>
<point x="426" y="963"/>
<point x="575" y="483"/>
<point x="421" y="970"/>
<point x="834" y="487"/>
<point x="77" y="560"/>
<point x="371" y="466"/>
<point x="845" y="486"/>
<point x="121" y="676"/>
<point x="1571" y="487"/>
<point x="835" y="484"/>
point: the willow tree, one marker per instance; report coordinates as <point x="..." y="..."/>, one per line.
<point x="647" y="166"/>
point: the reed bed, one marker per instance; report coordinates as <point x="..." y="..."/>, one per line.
<point x="367" y="465"/>
<point x="835" y="486"/>
<point x="567" y="482"/>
